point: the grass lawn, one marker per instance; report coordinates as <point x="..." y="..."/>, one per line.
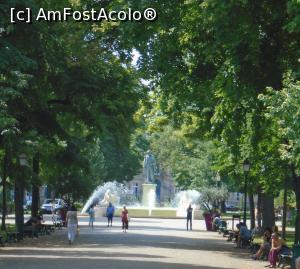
<point x="290" y="237"/>
<point x="228" y="215"/>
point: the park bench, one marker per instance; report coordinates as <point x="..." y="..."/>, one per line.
<point x="28" y="231"/>
<point x="284" y="260"/>
<point x="296" y="255"/>
<point x="231" y="236"/>
<point x="288" y="257"/>
<point x="46" y="229"/>
<point x="285" y="256"/>
<point x="42" y="229"/>
<point x="13" y="237"/>
<point x="230" y="233"/>
<point x="251" y="243"/>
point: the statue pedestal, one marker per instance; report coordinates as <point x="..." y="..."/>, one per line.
<point x="148" y="198"/>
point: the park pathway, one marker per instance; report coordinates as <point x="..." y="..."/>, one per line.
<point x="150" y="243"/>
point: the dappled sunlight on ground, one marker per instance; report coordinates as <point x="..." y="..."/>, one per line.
<point x="149" y="243"/>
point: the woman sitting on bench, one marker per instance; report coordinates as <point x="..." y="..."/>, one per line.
<point x="277" y="243"/>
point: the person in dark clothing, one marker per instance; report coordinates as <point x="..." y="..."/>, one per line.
<point x="110" y="214"/>
<point x="189" y="217"/>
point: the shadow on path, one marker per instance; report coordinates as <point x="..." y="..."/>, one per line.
<point x="134" y="240"/>
<point x="91" y="249"/>
<point x="91" y="264"/>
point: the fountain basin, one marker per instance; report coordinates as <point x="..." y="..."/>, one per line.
<point x="144" y="212"/>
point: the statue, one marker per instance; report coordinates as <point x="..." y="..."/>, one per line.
<point x="106" y="199"/>
<point x="149" y="167"/>
<point x="109" y="197"/>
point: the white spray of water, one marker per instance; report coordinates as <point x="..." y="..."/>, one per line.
<point x="151" y="200"/>
<point x="118" y="192"/>
<point x="184" y="198"/>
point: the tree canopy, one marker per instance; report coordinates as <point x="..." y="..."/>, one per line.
<point x="215" y="83"/>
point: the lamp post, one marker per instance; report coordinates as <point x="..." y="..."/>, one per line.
<point x="246" y="168"/>
<point x="4" y="188"/>
<point x="19" y="197"/>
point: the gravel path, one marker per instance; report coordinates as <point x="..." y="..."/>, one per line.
<point x="150" y="243"/>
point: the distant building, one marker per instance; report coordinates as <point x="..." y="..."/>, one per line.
<point x="236" y="200"/>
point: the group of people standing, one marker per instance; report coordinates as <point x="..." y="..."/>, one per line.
<point x="72" y="220"/>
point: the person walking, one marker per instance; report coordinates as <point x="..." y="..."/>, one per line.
<point x="189" y="216"/>
<point x="72" y="223"/>
<point x="124" y="217"/>
<point x="92" y="216"/>
<point x="110" y="211"/>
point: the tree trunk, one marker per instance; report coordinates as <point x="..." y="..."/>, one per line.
<point x="259" y="209"/>
<point x="252" y="211"/>
<point x="35" y="186"/>
<point x="296" y="181"/>
<point x="4" y="186"/>
<point x="245" y="199"/>
<point x="297" y="224"/>
<point x="223" y="207"/>
<point x="19" y="210"/>
<point x="268" y="215"/>
<point x="284" y="208"/>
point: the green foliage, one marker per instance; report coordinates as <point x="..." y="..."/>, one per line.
<point x="216" y="94"/>
<point x="283" y="109"/>
<point x="291" y="200"/>
<point x="68" y="95"/>
<point x="212" y="196"/>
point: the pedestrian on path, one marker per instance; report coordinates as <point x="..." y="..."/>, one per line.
<point x="189" y="216"/>
<point x="72" y="223"/>
<point x="125" y="218"/>
<point x="92" y="216"/>
<point x="110" y="211"/>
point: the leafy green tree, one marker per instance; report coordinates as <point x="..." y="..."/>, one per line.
<point x="211" y="197"/>
<point x="209" y="61"/>
<point x="283" y="108"/>
<point x="64" y="88"/>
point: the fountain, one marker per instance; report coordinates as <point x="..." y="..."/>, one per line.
<point x="119" y="195"/>
<point x="112" y="191"/>
<point x="183" y="199"/>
